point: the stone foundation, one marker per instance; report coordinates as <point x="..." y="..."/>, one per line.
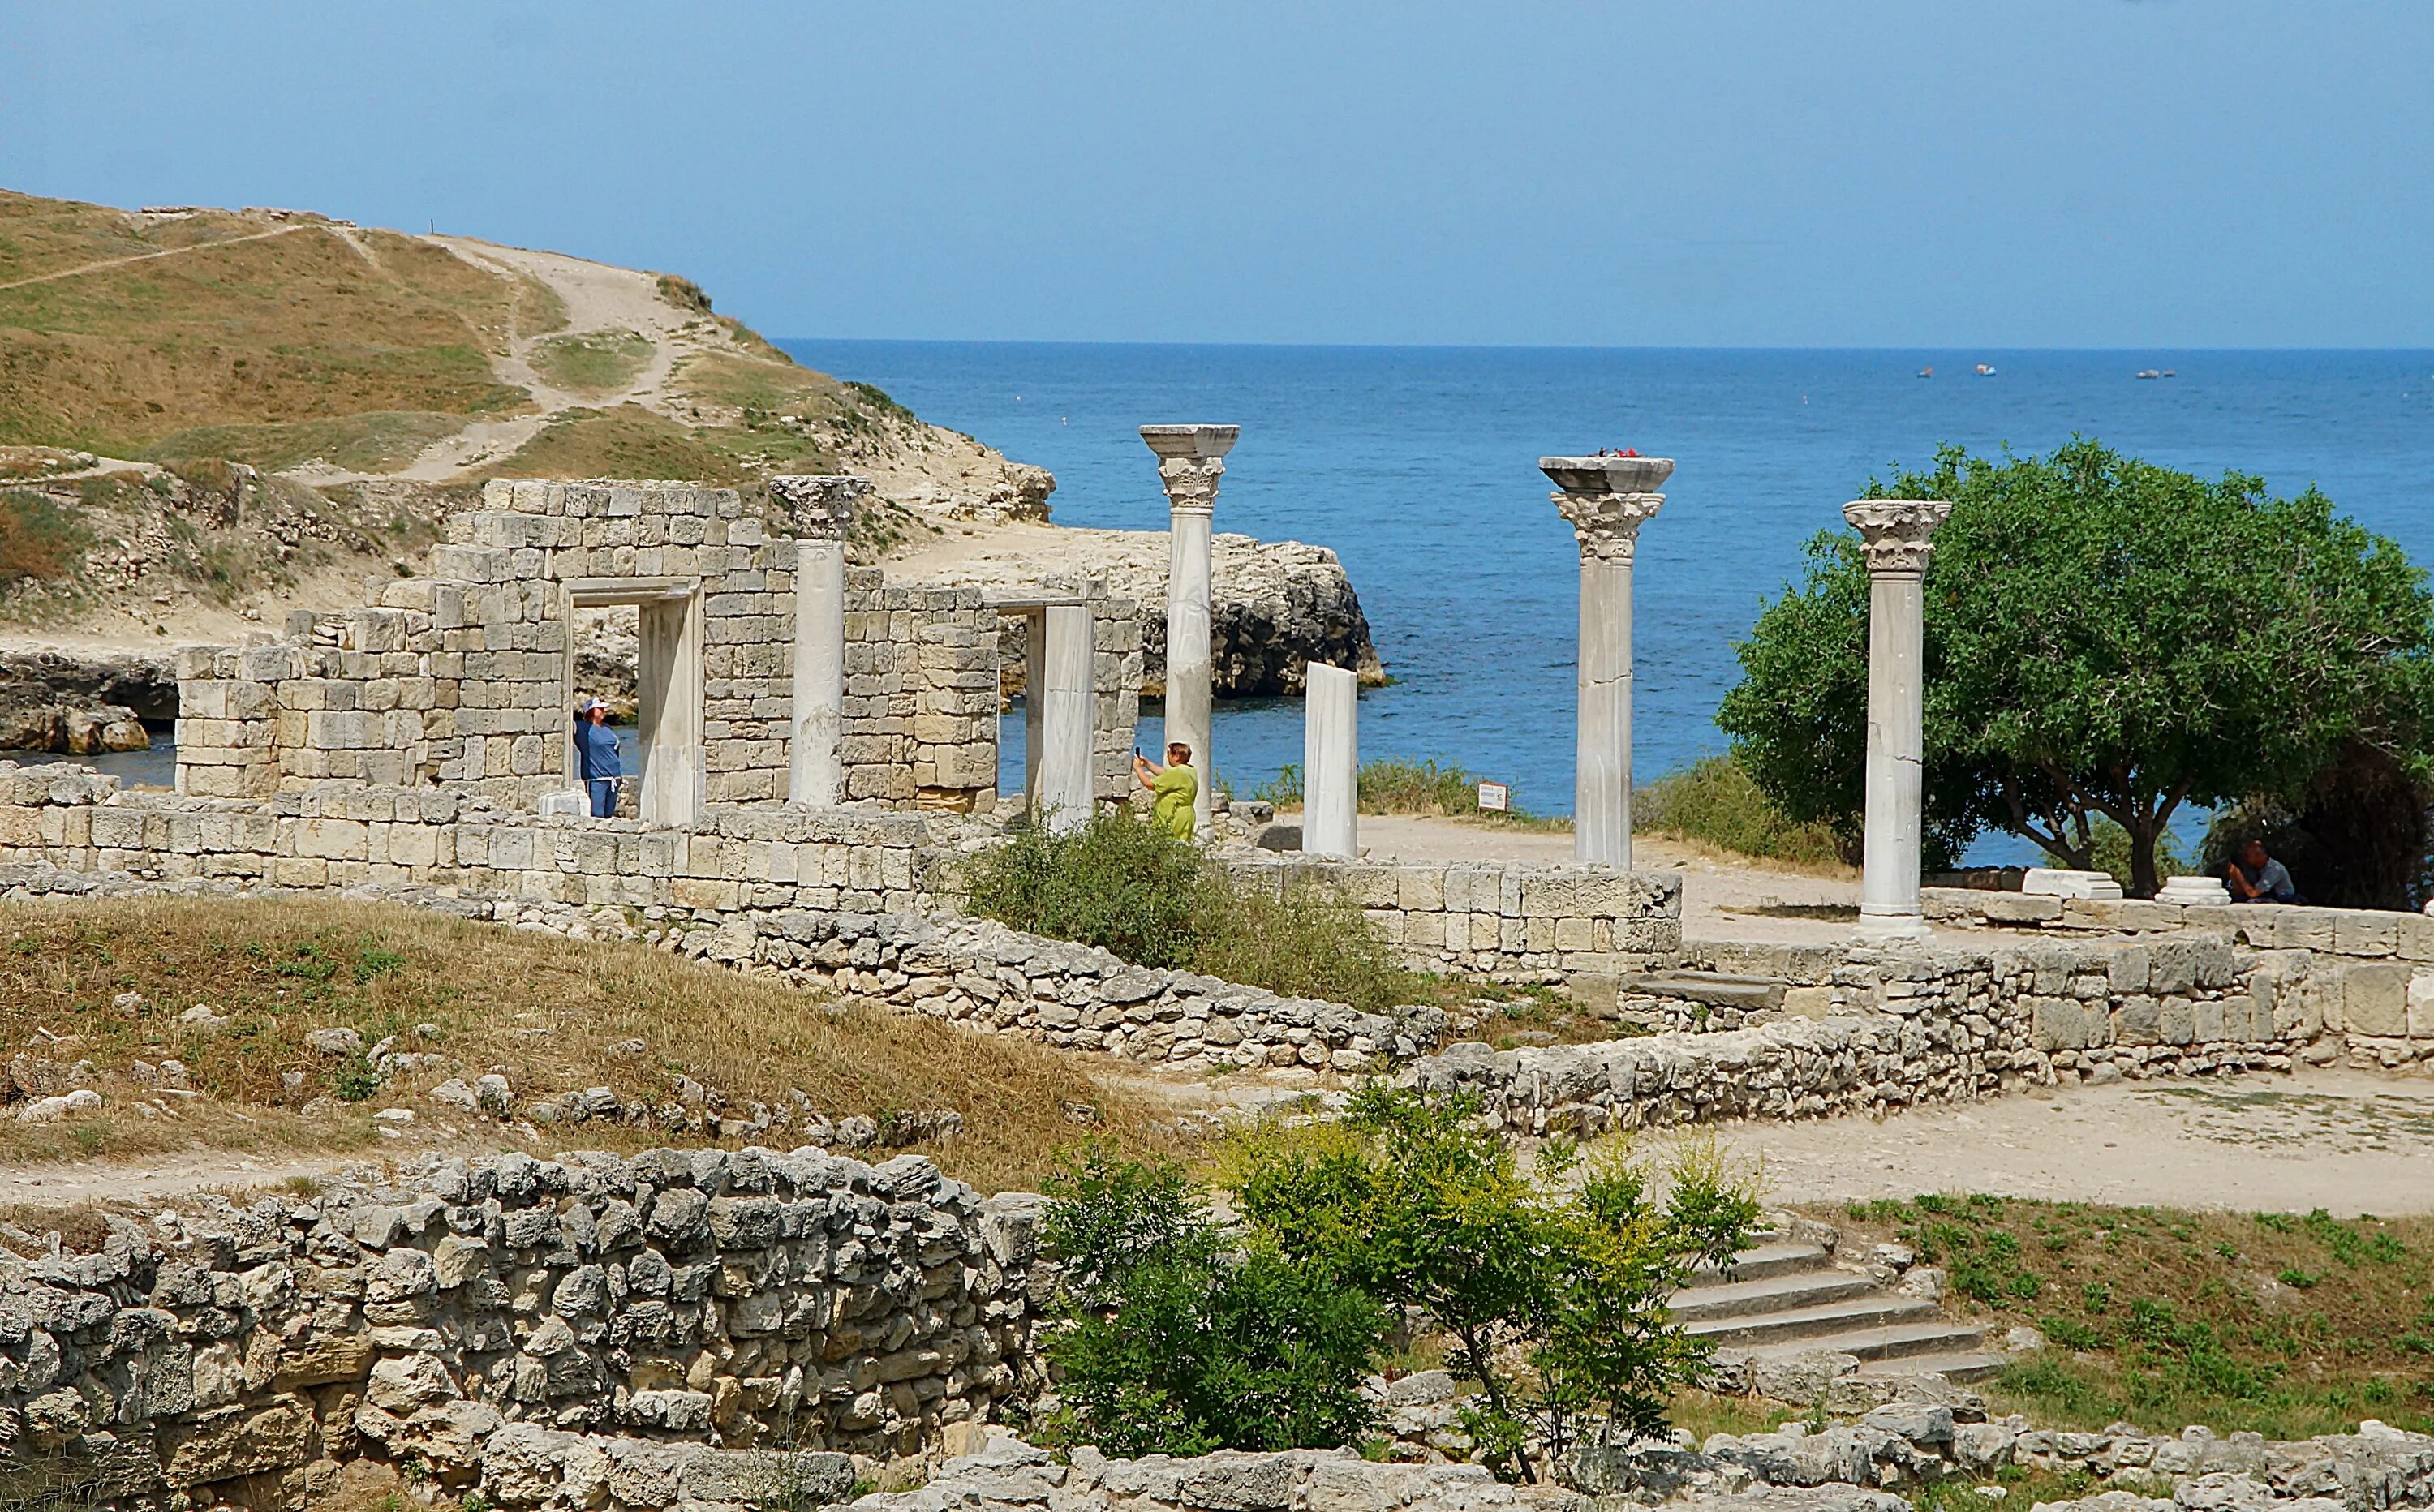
<point x="1491" y="916"/>
<point x="237" y="1354"/>
<point x="1911" y="1026"/>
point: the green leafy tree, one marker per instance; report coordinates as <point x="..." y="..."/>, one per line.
<point x="2105" y="640"/>
<point x="1411" y="1202"/>
<point x="1179" y="1338"/>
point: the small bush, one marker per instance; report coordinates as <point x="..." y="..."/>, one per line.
<point x="38" y="539"/>
<point x="1394" y="786"/>
<point x="1553" y="1293"/>
<point x="1180" y="1339"/>
<point x="1713" y="800"/>
<point x="1156" y="901"/>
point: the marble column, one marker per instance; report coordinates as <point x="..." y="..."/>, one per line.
<point x="1062" y="758"/>
<point x="1330" y="762"/>
<point x="1606" y="500"/>
<point x="1191" y="459"/>
<point x="822" y="508"/>
<point x="1896" y="533"/>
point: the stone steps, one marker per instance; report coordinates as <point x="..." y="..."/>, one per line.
<point x="1961" y="1366"/>
<point x="1770" y="1296"/>
<point x="1776" y="1257"/>
<point x="1784" y="1297"/>
<point x="1812" y="1326"/>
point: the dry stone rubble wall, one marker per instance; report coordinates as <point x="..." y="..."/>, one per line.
<point x="1924" y="1026"/>
<point x="738" y="1297"/>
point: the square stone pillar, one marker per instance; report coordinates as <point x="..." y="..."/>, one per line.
<point x="1606" y="500"/>
<point x="822" y="508"/>
<point x="1062" y="759"/>
<point x="1191" y="459"/>
<point x="1331" y="763"/>
<point x="1896" y="533"/>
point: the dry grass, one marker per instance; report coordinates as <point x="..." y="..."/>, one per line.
<point x="382" y="441"/>
<point x="313" y="325"/>
<point x="550" y="1012"/>
<point x="2286" y="1325"/>
<point x="627" y="442"/>
<point x="594" y="363"/>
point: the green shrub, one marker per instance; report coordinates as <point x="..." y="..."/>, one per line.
<point x="1394" y="786"/>
<point x="1115" y="883"/>
<point x="1158" y="901"/>
<point x="38" y="539"/>
<point x="1553" y="1293"/>
<point x="1713" y="800"/>
<point x="1180" y="1339"/>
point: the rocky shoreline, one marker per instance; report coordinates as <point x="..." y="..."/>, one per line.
<point x="1274" y="606"/>
<point x="80" y="703"/>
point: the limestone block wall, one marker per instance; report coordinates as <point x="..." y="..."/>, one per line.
<point x="920" y="695"/>
<point x="344" y="835"/>
<point x="463" y="679"/>
<point x="1911" y="1027"/>
<point x="240" y="1354"/>
<point x="446" y="683"/>
<point x="1497" y="916"/>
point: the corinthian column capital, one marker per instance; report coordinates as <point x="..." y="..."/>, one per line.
<point x="1896" y="532"/>
<point x="1606" y="500"/>
<point x="1191" y="484"/>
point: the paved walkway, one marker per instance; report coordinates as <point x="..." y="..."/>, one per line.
<point x="2350" y="1142"/>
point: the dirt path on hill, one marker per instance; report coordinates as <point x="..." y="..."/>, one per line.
<point x="2350" y="1142"/>
<point x="1722" y="896"/>
<point x="166" y="251"/>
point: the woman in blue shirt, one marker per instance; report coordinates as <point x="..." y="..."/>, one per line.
<point x="595" y="750"/>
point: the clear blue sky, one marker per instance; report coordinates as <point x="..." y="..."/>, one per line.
<point x="2150" y="172"/>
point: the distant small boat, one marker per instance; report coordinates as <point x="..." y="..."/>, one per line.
<point x="2168" y="373"/>
<point x="1985" y="370"/>
<point x="2150" y="372"/>
<point x="1927" y="372"/>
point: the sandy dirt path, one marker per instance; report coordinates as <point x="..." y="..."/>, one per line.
<point x="2350" y="1142"/>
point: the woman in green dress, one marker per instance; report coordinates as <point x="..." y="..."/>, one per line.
<point x="1172" y="789"/>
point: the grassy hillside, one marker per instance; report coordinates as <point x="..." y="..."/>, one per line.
<point x="244" y="322"/>
<point x="109" y="982"/>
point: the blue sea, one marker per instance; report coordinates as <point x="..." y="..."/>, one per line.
<point x="1417" y="466"/>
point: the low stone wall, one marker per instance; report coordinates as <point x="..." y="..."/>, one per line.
<point x="836" y="900"/>
<point x="1007" y="1473"/>
<point x="1497" y="916"/>
<point x="1916" y="1444"/>
<point x="239" y="1355"/>
<point x="343" y="834"/>
<point x="981" y="974"/>
<point x="2368" y="934"/>
<point x="1922" y="1026"/>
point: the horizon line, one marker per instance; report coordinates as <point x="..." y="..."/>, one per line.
<point x="1582" y="347"/>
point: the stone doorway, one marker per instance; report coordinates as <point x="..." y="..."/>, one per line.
<point x="667" y="688"/>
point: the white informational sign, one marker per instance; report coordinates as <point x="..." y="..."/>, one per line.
<point x="1494" y="798"/>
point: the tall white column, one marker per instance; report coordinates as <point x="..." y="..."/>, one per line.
<point x="1063" y="760"/>
<point x="822" y="508"/>
<point x="1606" y="500"/>
<point x="1331" y="763"/>
<point x="1191" y="459"/>
<point x="1896" y="534"/>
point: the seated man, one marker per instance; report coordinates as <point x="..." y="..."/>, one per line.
<point x="2256" y="877"/>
